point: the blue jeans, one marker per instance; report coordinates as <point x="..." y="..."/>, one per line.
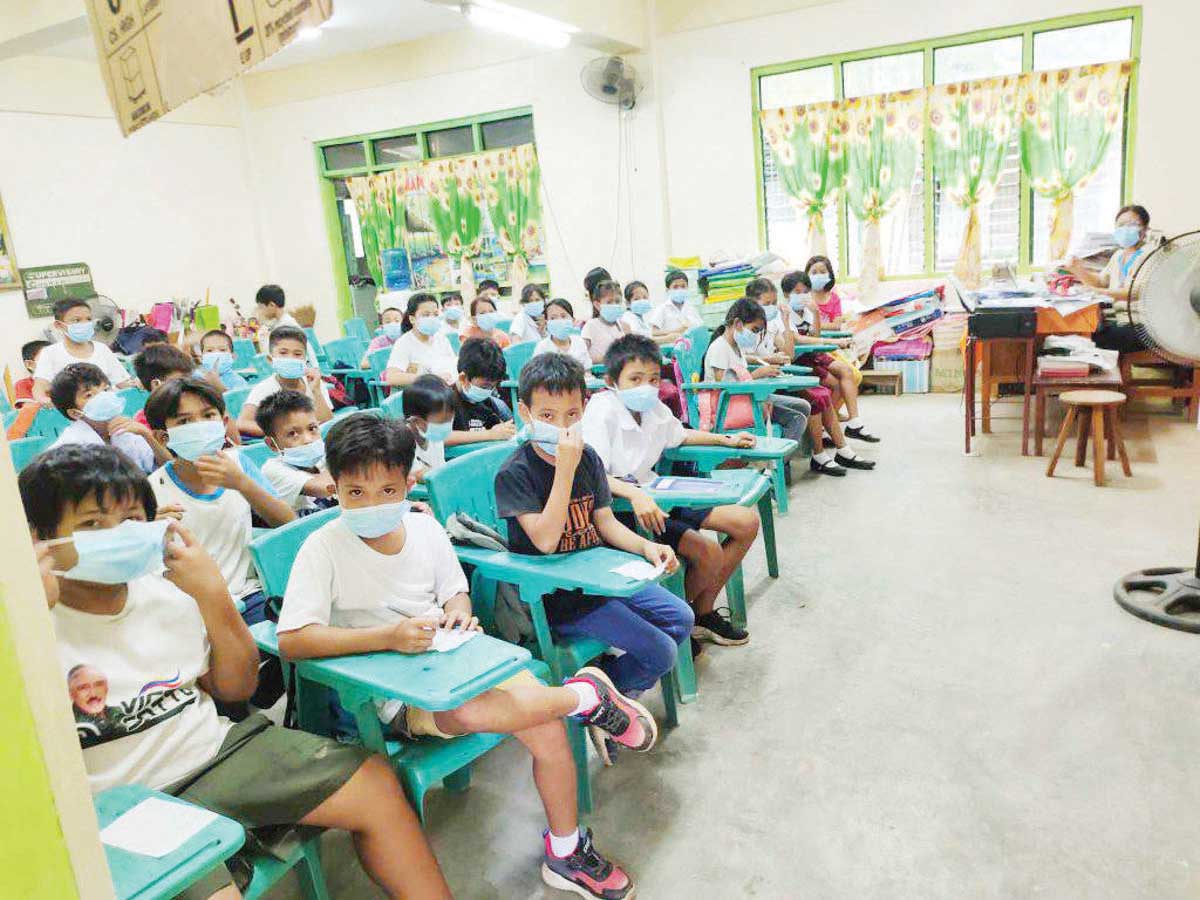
<point x="649" y="627"/>
<point x="255" y="608"/>
<point x="791" y="415"/>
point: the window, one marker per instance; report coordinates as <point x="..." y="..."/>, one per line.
<point x="345" y="156"/>
<point x="403" y="148"/>
<point x="507" y="133"/>
<point x="451" y="141"/>
<point x="923" y="234"/>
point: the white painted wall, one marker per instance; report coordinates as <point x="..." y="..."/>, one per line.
<point x="708" y="124"/>
<point x="577" y="140"/>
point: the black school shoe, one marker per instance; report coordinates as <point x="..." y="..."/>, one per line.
<point x="827" y="468"/>
<point x="856" y="463"/>
<point x="717" y="629"/>
<point x="861" y="434"/>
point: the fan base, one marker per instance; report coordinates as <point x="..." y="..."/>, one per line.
<point x="1169" y="597"/>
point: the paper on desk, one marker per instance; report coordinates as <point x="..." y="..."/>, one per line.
<point x="156" y="827"/>
<point x="447" y="639"/>
<point x="640" y="571"/>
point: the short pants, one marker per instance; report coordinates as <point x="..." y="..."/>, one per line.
<point x="679" y="522"/>
<point x="818" y="362"/>
<point x="420" y="722"/>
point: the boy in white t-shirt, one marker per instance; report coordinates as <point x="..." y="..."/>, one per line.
<point x="380" y="578"/>
<point x="269" y="307"/>
<point x="288" y="347"/>
<point x="144" y="656"/>
<point x="673" y="319"/>
<point x="82" y="393"/>
<point x="73" y="322"/>
<point x="219" y="490"/>
<point x="298" y="473"/>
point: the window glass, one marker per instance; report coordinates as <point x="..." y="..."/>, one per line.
<point x="450" y="141"/>
<point x="345" y="156"/>
<point x="796" y="88"/>
<point x="507" y="132"/>
<point x="352" y="246"/>
<point x="883" y="74"/>
<point x="1082" y="46"/>
<point x="985" y="59"/>
<point x="393" y="150"/>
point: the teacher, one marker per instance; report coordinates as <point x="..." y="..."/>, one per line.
<point x="1129" y="233"/>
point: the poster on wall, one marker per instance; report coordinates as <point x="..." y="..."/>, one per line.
<point x="44" y="285"/>
<point x="10" y="276"/>
<point x="156" y="55"/>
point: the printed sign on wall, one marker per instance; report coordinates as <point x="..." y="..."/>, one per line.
<point x="158" y="54"/>
<point x="46" y="284"/>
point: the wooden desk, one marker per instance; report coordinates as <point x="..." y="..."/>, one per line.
<point x="982" y="347"/>
<point x="1049" y="387"/>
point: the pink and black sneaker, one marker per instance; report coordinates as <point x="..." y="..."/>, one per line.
<point x="616" y="717"/>
<point x="585" y="872"/>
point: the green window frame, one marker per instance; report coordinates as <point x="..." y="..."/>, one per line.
<point x="1027" y="32"/>
<point x="327" y="175"/>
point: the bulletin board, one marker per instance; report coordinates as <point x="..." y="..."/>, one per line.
<point x="10" y="275"/>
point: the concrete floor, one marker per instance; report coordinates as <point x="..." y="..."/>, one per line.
<point x="940" y="698"/>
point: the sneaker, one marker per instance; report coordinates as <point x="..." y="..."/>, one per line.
<point x="715" y="627"/>
<point x="861" y="434"/>
<point x="606" y="748"/>
<point x="626" y="721"/>
<point x="827" y="468"/>
<point x="585" y="872"/>
<point x="856" y="462"/>
<point x="697" y="647"/>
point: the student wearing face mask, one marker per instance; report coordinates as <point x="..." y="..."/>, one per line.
<point x="290" y="372"/>
<point x="636" y="321"/>
<point x="479" y="414"/>
<point x="525" y="326"/>
<point x="483" y="323"/>
<point x="1129" y="233"/>
<point x="75" y="328"/>
<point x="391" y="328"/>
<point x="423" y="348"/>
<point x="671" y="320"/>
<point x="452" y="312"/>
<point x="429" y="412"/>
<point x="82" y="393"/>
<point x="605" y="325"/>
<point x="562" y="335"/>
<point x="298" y="473"/>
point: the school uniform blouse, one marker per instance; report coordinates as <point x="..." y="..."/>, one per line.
<point x="524" y="329"/>
<point x="600" y="336"/>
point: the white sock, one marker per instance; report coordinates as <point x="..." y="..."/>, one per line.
<point x="856" y="422"/>
<point x="846" y="452"/>
<point x="588" y="700"/>
<point x="563" y="846"/>
<point x="823" y="457"/>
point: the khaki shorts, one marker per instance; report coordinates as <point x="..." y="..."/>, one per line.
<point x="420" y="721"/>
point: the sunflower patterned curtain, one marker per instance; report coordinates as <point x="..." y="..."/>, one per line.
<point x="970" y="126"/>
<point x="456" y="206"/>
<point x="512" y="184"/>
<point x="380" y="218"/>
<point x="809" y="159"/>
<point x="882" y="136"/>
<point x="1067" y="119"/>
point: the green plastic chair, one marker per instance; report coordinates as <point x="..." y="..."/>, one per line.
<point x="357" y="328"/>
<point x="235" y="400"/>
<point x="345" y="350"/>
<point x="261" y="363"/>
<point x="244" y="352"/>
<point x="7" y="417"/>
<point x="135" y="399"/>
<point x="455" y="340"/>
<point x="317" y="347"/>
<point x="393" y="406"/>
<point x="375" y="386"/>
<point x="257" y="453"/>
<point x="23" y="450"/>
<point x="304" y="857"/>
<point x="48" y="423"/>
<point x="515" y="357"/>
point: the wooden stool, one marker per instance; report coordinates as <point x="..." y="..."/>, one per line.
<point x="878" y="378"/>
<point x="1097" y="414"/>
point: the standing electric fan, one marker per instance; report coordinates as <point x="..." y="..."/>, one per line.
<point x="1164" y="305"/>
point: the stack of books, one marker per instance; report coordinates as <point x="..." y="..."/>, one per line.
<point x="1062" y="367"/>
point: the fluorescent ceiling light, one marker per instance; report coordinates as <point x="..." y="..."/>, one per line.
<point x="501" y="17"/>
<point x="308" y="34"/>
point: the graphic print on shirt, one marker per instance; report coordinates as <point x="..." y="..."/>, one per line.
<point x="580" y="532"/>
<point x="97" y="723"/>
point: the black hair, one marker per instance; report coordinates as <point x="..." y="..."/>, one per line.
<point x="627" y="349"/>
<point x="555" y="373"/>
<point x="1138" y="210"/>
<point x="482" y="358"/>
<point x="475" y="305"/>
<point x="453" y="295"/>
<point x="674" y="275"/>
<point x="215" y="333"/>
<point x="529" y="290"/>
<point x="278" y="405"/>
<point x="270" y="295"/>
<point x="758" y="287"/>
<point x="426" y="396"/>
<point x="287" y="333"/>
<point x="154" y="336"/>
<point x="593" y="278"/>
<point x="163" y="403"/>
<point x="66" y="304"/>
<point x="488" y="284"/>
<point x="600" y="288"/>
<point x="71" y="380"/>
<point x="414" y="303"/>
<point x="788" y="283"/>
<point x="562" y="304"/>
<point x="31" y="349"/>
<point x="745" y="311"/>
<point x="388" y="309"/>
<point x="64" y="476"/>
<point x="159" y="361"/>
<point x="631" y="287"/>
<point x="361" y="440"/>
<point x="828" y="265"/>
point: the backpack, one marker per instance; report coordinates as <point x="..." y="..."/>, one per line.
<point x="512" y="619"/>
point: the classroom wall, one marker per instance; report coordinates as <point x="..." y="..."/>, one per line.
<point x="705" y="89"/>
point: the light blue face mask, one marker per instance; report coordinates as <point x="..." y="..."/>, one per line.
<point x="640" y="307"/>
<point x="376" y="521"/>
<point x="117" y="555"/>
<point x="746" y="339"/>
<point x="639" y="399"/>
<point x="453" y="314"/>
<point x="819" y="281"/>
<point x="610" y="312"/>
<point x="478" y="394"/>
<point x="1127" y="236"/>
<point x="545" y="436"/>
<point x="306" y="456"/>
<point x="104" y="406"/>
<point x="561" y="329"/>
<point x="219" y="361"/>
<point x="487" y="321"/>
<point x="534" y="309"/>
<point x="393" y="330"/>
<point x="678" y="296"/>
<point x="437" y="432"/>
<point x="288" y="367"/>
<point x="798" y="303"/>
<point x="196" y="439"/>
<point x="771" y="312"/>
<point x="429" y="325"/>
<point x="81" y="332"/>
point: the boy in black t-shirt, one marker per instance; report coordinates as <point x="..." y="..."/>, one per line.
<point x="554" y="494"/>
<point x="480" y="415"/>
